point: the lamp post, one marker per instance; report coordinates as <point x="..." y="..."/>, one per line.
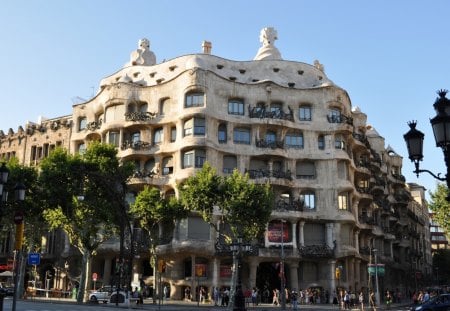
<point x="441" y="129"/>
<point x="4" y="172"/>
<point x="283" y="281"/>
<point x="238" y="248"/>
<point x="377" y="293"/>
<point x="19" y="190"/>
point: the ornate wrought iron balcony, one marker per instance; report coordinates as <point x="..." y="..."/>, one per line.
<point x="262" y="143"/>
<point x="260" y="173"/>
<point x="316" y="251"/>
<point x="263" y="112"/>
<point x="136" y="145"/>
<point x="139" y="116"/>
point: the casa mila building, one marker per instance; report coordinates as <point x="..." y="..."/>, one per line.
<point x="341" y="202"/>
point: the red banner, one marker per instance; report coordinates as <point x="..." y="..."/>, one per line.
<point x="274" y="232"/>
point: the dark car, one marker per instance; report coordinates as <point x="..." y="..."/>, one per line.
<point x="437" y="303"/>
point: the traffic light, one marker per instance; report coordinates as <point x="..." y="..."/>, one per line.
<point x="19" y="236"/>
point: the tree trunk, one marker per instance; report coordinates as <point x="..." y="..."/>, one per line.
<point x="85" y="281"/>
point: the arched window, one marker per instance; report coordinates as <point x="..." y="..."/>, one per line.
<point x="222" y="133"/>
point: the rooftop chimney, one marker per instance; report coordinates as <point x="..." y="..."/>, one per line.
<point x="206" y="47"/>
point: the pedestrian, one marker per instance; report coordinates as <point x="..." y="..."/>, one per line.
<point x="372" y="301"/>
<point x="388" y="299"/>
<point x="294" y="299"/>
<point x="276" y="295"/>
<point x="361" y="300"/>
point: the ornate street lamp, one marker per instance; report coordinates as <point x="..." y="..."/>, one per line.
<point x="18" y="219"/>
<point x="441" y="129"/>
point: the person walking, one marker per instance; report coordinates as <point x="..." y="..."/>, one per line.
<point x="361" y="300"/>
<point x="372" y="301"/>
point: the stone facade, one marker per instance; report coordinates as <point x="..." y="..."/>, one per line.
<point x="339" y="190"/>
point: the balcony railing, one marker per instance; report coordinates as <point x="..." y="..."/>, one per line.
<point x="294" y="205"/>
<point x="94" y="125"/>
<point x="136" y="145"/>
<point x="262" y="143"/>
<point x="263" y="113"/>
<point x="362" y="138"/>
<point x="139" y="116"/>
<point x="316" y="251"/>
<point x="340" y="119"/>
<point x="260" y="173"/>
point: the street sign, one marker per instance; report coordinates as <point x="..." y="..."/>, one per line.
<point x="34" y="259"/>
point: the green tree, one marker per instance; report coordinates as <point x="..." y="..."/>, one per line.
<point x="29" y="208"/>
<point x="441" y="266"/>
<point x="440" y="206"/>
<point x="154" y="212"/>
<point x="244" y="206"/>
<point x="84" y="196"/>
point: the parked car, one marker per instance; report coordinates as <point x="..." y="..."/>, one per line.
<point x="103" y="294"/>
<point x="437" y="303"/>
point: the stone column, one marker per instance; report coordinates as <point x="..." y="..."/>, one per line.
<point x="329" y="235"/>
<point x="301" y="234"/>
<point x="294" y="236"/>
<point x="107" y="270"/>
<point x="392" y="249"/>
<point x="337" y="232"/>
<point x="332" y="280"/>
<point x="215" y="273"/>
<point x="358" y="280"/>
<point x="357" y="240"/>
<point x="253" y="264"/>
<point x="293" y="271"/>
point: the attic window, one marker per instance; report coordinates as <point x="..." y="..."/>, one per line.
<point x="117" y="79"/>
<point x="160" y="80"/>
<point x="291" y="84"/>
<point x="242" y="71"/>
<point x="276" y="69"/>
<point x="320" y="77"/>
<point x="136" y="74"/>
<point x="219" y="66"/>
<point x="152" y="75"/>
<point x="255" y="80"/>
<point x="172" y="68"/>
<point x="300" y="72"/>
<point x="232" y="78"/>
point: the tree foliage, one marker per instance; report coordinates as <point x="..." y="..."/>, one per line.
<point x="152" y="210"/>
<point x="84" y="196"/>
<point x="440" y="206"/>
<point x="243" y="205"/>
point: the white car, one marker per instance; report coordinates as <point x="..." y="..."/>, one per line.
<point x="101" y="295"/>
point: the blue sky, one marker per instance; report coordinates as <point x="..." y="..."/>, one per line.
<point x="390" y="56"/>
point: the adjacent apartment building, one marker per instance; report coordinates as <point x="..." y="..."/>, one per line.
<point x="341" y="205"/>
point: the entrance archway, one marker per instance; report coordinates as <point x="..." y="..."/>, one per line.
<point x="268" y="278"/>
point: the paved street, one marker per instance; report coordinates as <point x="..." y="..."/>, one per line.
<point x="70" y="305"/>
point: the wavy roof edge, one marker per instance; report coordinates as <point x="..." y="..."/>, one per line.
<point x="292" y="74"/>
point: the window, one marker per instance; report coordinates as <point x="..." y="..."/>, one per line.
<point x="309" y="199"/>
<point x="321" y="142"/>
<point x="194" y="100"/>
<point x="188" y="126"/>
<point x="305" y="170"/>
<point x="164" y="106"/>
<point x="135" y="137"/>
<point x="241" y="136"/>
<point x="304" y="113"/>
<point x="81" y="148"/>
<point x="173" y="134"/>
<point x="199" y="127"/>
<point x="229" y="164"/>
<point x="113" y="138"/>
<point x="167" y="167"/>
<point x="334" y="115"/>
<point x="188" y="159"/>
<point x="236" y="106"/>
<point x="222" y="133"/>
<point x="194" y="126"/>
<point x="294" y="140"/>
<point x="342" y="170"/>
<point x="82" y="122"/>
<point x="149" y="166"/>
<point x="275" y="109"/>
<point x="194" y="158"/>
<point x="339" y="142"/>
<point x="158" y="136"/>
<point x="271" y="137"/>
<point x="343" y="201"/>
